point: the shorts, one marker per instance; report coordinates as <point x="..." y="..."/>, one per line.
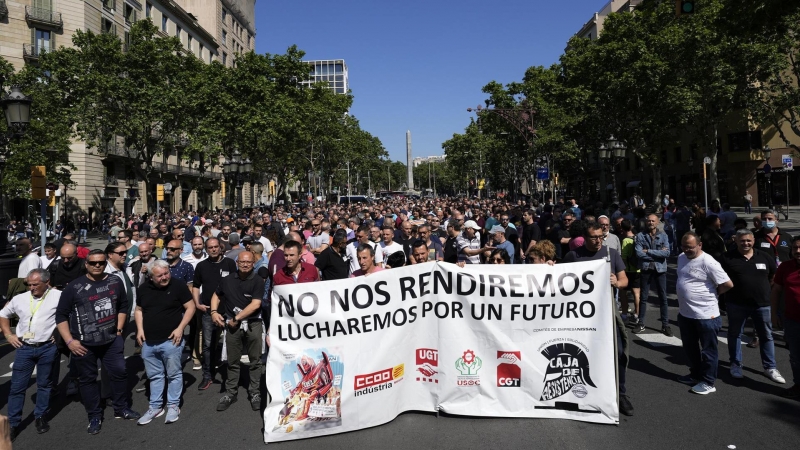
<point x="634" y="279"/>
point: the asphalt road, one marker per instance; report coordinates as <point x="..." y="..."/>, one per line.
<point x="747" y="414"/>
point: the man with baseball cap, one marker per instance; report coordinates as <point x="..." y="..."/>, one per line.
<point x="469" y="244"/>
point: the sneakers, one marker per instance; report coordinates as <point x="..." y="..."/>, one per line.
<point x="205" y="384"/>
<point x="13" y="434"/>
<point x="736" y="371"/>
<point x="196" y="364"/>
<point x="638" y="328"/>
<point x="703" y="388"/>
<point x="667" y="330"/>
<point x="151" y="414"/>
<point x="775" y="376"/>
<point x="625" y="406"/>
<point x="792" y="392"/>
<point x="95" y="425"/>
<point x="127" y="414"/>
<point x="72" y="387"/>
<point x="173" y="413"/>
<point x="687" y="379"/>
<point x="225" y="402"/>
<point x="255" y="402"/>
<point x="633" y="320"/>
<point x="41" y="425"/>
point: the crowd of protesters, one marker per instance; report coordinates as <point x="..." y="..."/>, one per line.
<point x="212" y="271"/>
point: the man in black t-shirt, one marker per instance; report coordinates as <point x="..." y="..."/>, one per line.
<point x="592" y="250"/>
<point x="751" y="271"/>
<point x="531" y="233"/>
<point x="332" y="262"/>
<point x="236" y="305"/>
<point x="451" y="244"/>
<point x="164" y="309"/>
<point x="207" y="277"/>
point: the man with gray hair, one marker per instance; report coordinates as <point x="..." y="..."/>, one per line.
<point x="165" y="308"/>
<point x="751" y="271"/>
<point x="233" y="253"/>
<point x="35" y="347"/>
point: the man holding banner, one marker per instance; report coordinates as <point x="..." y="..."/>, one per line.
<point x="593" y="249"/>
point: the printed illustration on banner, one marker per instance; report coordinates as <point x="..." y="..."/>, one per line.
<point x="508" y="369"/>
<point x="428" y="364"/>
<point x="567" y="370"/>
<point x="378" y="381"/>
<point x="468" y="366"/>
<point x="312" y="388"/>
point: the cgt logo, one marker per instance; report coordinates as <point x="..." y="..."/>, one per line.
<point x="427" y="364"/>
<point x="508" y="369"/>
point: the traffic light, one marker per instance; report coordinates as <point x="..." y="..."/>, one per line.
<point x="52" y="200"/>
<point x="160" y="192"/>
<point x="555" y="178"/>
<point x="481" y="184"/>
<point x="38" y="183"/>
<point x="272" y="188"/>
<point x="684" y="7"/>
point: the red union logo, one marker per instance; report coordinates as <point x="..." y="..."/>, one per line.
<point x="427" y="355"/>
<point x="371" y="379"/>
<point x="509" y="371"/>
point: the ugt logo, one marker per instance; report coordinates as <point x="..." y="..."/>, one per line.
<point x="428" y="364"/>
<point x="567" y="368"/>
<point x="508" y="370"/>
<point x="468" y="363"/>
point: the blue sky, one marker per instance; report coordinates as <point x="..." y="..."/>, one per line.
<point x="418" y="65"/>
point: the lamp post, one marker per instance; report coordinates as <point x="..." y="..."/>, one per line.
<point x="17" y="109"/>
<point x="768" y="174"/>
<point x="237" y="170"/>
<point x="613" y="151"/>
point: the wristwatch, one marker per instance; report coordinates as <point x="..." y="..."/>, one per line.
<point x="119" y="330"/>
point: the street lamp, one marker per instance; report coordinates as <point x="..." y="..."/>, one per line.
<point x="17" y="109"/>
<point x="768" y="174"/>
<point x="614" y="152"/>
<point x="237" y="170"/>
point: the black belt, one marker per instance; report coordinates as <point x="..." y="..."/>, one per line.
<point x="36" y="344"/>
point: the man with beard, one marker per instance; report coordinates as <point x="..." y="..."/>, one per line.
<point x="451" y="244"/>
<point x="198" y="253"/>
<point x="531" y="233"/>
<point x="593" y="249"/>
<point x="332" y="262"/>
<point x="559" y="234"/>
<point x="207" y="277"/>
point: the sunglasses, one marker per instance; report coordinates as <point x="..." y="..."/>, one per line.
<point x="174" y="249"/>
<point x="122" y="253"/>
<point x="96" y="263"/>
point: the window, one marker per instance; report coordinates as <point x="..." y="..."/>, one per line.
<point x="108" y="27"/>
<point x="109" y="5"/>
<point x="678" y="155"/>
<point x="164" y="23"/>
<point x="224" y="15"/>
<point x="744" y="141"/>
<point x="130" y="14"/>
<point x="224" y="59"/>
<point x="42" y="41"/>
<point x="178" y="31"/>
<point x="148" y="10"/>
<point x="224" y="37"/>
<point x="663" y="156"/>
<point x="201" y="50"/>
<point x="189" y="43"/>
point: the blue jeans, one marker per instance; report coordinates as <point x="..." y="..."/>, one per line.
<point x="792" y="336"/>
<point x="762" y="321"/>
<point x="84" y="232"/>
<point x="25" y="360"/>
<point x="162" y="360"/>
<point x="703" y="358"/>
<point x="114" y="362"/>
<point x="661" y="285"/>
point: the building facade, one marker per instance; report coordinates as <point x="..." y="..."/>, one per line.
<point x="105" y="178"/>
<point x="331" y="71"/>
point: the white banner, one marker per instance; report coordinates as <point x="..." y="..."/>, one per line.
<point x="485" y="340"/>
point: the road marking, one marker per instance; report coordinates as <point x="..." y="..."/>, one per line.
<point x="659" y="339"/>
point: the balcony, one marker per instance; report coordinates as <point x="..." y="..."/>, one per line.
<point x="120" y="150"/>
<point x="111" y="180"/>
<point x="173" y="168"/>
<point x="43" y="17"/>
<point x="3" y="9"/>
<point x="32" y="52"/>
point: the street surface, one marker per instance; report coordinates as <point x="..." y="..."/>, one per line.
<point x="747" y="414"/>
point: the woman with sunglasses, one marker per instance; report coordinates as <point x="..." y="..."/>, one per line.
<point x="499" y="256"/>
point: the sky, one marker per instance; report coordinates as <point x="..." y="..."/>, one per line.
<point x="418" y="65"/>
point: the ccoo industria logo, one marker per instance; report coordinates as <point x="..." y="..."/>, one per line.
<point x="567" y="367"/>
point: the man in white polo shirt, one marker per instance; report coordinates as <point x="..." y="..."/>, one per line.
<point x="469" y="244"/>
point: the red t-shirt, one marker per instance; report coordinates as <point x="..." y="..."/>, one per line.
<point x="308" y="273"/>
<point x="788" y="276"/>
